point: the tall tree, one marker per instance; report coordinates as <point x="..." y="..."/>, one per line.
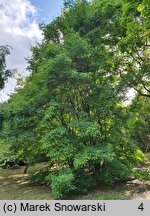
<point x="133" y="53"/>
<point x="4" y="73"/>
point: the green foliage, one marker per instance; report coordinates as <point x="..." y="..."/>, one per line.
<point x="140" y="123"/>
<point x="111" y="197"/>
<point x="11" y="162"/>
<point x="4" y="149"/>
<point x="4" y="73"/>
<point x="38" y="177"/>
<point x="84" y="181"/>
<point x="142" y="174"/>
<point x="9" y="158"/>
<point x="62" y="183"/>
<point x="91" y="156"/>
<point x="128" y="153"/>
<point x="115" y="171"/>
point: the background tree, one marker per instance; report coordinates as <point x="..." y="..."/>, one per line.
<point x="140" y="122"/>
<point x="133" y="53"/>
<point x="70" y="109"/>
<point x="4" y="73"/>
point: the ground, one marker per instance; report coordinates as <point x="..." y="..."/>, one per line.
<point x="13" y="185"/>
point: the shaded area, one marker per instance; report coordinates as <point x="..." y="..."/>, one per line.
<point x="13" y="185"/>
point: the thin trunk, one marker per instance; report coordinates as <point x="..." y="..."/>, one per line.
<point x="26" y="168"/>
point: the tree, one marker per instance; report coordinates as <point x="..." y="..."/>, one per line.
<point x="4" y="73"/>
<point x="140" y="122"/>
<point x="22" y="114"/>
<point x="133" y="54"/>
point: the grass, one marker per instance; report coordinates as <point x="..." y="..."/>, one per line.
<point x="14" y="186"/>
<point x="104" y="194"/>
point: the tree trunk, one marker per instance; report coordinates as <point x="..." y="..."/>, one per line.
<point x="26" y="168"/>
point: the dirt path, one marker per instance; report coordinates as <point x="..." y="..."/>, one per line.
<point x="138" y="190"/>
<point x="13" y="185"/>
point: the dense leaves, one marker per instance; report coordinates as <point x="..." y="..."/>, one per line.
<point x="4" y="73"/>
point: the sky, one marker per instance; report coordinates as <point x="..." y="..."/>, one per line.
<point x="19" y="28"/>
<point x="47" y="10"/>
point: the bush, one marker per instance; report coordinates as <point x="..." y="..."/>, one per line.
<point x="115" y="171"/>
<point x="62" y="183"/>
<point x="4" y="149"/>
<point x="84" y="181"/>
<point x="141" y="174"/>
<point x="11" y="161"/>
<point x="67" y="180"/>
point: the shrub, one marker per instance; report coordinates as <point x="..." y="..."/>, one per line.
<point x="10" y="161"/>
<point x="141" y="174"/>
<point x="4" y="149"/>
<point x="84" y="181"/>
<point x="62" y="183"/>
<point x="114" y="171"/>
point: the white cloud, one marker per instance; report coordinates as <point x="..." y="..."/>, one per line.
<point x="20" y="30"/>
